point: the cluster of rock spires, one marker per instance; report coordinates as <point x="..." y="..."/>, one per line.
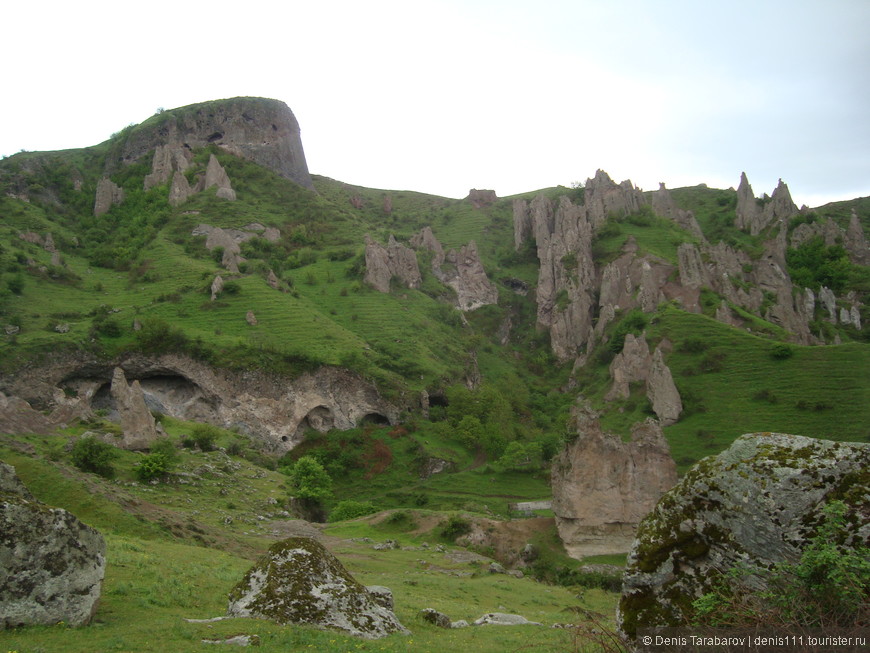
<point x="230" y="240"/>
<point x="461" y="270"/>
<point x="576" y="300"/>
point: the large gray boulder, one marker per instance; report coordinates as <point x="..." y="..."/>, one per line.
<point x="755" y="504"/>
<point x="299" y="582"/>
<point x="51" y="564"/>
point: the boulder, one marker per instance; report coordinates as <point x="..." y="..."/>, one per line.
<point x="299" y="582"/>
<point x="137" y="422"/>
<point x="434" y="617"/>
<point x="603" y="487"/>
<point x="754" y="504"/>
<point x="503" y="619"/>
<point x="394" y="260"/>
<point x="51" y="564"/>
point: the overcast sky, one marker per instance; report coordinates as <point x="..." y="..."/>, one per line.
<point x="441" y="96"/>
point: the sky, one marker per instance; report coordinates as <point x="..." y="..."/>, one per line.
<point x="441" y="96"/>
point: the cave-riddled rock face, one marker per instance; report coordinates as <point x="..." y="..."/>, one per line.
<point x="756" y="503"/>
<point x="299" y="582"/>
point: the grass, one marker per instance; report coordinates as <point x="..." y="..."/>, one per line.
<point x="160" y="572"/>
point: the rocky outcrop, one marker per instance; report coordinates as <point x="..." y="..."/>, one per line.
<point x="481" y="198"/>
<point x="463" y="271"/>
<point x="180" y="190"/>
<point x="215" y="175"/>
<point x="273" y="411"/>
<point x="257" y="129"/>
<point x="108" y="195"/>
<point x="167" y="159"/>
<point x="603" y="487"/>
<point x="855" y="242"/>
<point x="299" y="582"/>
<point x="662" y="391"/>
<point x="51" y="564"/>
<point x="230" y="240"/>
<point x="753" y="216"/>
<point x="137" y="422"/>
<point x="603" y="197"/>
<point x="394" y="260"/>
<point x="753" y="505"/>
<point x="665" y="206"/>
<point x="631" y="365"/>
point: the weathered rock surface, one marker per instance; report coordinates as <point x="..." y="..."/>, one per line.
<point x="603" y="487"/>
<point x="394" y="260"/>
<point x="272" y="410"/>
<point x="215" y="175"/>
<point x="51" y="564"/>
<point x="299" y="582"/>
<point x="481" y="198"/>
<point x="752" y="216"/>
<point x="167" y="159"/>
<point x="504" y="619"/>
<point x="257" y="129"/>
<point x="108" y="194"/>
<point x="754" y="504"/>
<point x="137" y="422"/>
<point x="662" y="391"/>
<point x="230" y="240"/>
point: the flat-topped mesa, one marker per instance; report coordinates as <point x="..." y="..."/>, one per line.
<point x="258" y="129"/>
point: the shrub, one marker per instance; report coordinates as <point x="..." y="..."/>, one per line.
<point x="309" y="479"/>
<point x="204" y="436"/>
<point x="351" y="509"/>
<point x="152" y="466"/>
<point x="92" y="455"/>
<point x="781" y="351"/>
<point x="167" y="448"/>
<point x="454" y="527"/>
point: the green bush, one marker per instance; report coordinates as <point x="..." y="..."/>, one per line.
<point x="781" y="351"/>
<point x="92" y="455"/>
<point x="454" y="527"/>
<point x="152" y="466"/>
<point x="204" y="437"/>
<point x="350" y="509"/>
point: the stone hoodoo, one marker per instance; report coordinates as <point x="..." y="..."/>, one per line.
<point x="299" y="582"/>
<point x="137" y="422"/>
<point x="261" y="130"/>
<point x="464" y="271"/>
<point x="634" y="364"/>
<point x="603" y="487"/>
<point x="755" y="505"/>
<point x="51" y="564"/>
<point x="753" y="216"/>
<point x="394" y="260"/>
<point x="108" y="194"/>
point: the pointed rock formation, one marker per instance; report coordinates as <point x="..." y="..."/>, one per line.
<point x="604" y="197"/>
<point x="180" y="189"/>
<point x="167" y="159"/>
<point x="663" y="204"/>
<point x="108" y="194"/>
<point x="631" y="365"/>
<point x="138" y="424"/>
<point x="753" y="217"/>
<point x="603" y="487"/>
<point x="662" y="391"/>
<point x="215" y="175"/>
<point x="855" y="242"/>
<point x="394" y="260"/>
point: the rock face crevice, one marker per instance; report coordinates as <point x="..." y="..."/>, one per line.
<point x="754" y="504"/>
<point x="272" y="410"/>
<point x="603" y="487"/>
<point x="51" y="564"/>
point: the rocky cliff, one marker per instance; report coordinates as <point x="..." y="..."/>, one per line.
<point x="603" y="487"/>
<point x="275" y="412"/>
<point x="261" y="130"/>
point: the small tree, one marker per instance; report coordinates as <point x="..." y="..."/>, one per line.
<point x="309" y="480"/>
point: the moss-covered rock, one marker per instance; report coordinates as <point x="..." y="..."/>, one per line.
<point x="51" y="564"/>
<point x="299" y="582"/>
<point x="755" y="504"/>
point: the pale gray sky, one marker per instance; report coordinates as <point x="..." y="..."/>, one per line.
<point x="441" y="96"/>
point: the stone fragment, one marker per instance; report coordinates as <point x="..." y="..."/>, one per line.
<point x="504" y="619"/>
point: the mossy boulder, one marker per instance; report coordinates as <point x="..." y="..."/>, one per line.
<point x="299" y="582"/>
<point x="51" y="564"/>
<point x="755" y="504"/>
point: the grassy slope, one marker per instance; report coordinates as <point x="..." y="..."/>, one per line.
<point x="159" y="571"/>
